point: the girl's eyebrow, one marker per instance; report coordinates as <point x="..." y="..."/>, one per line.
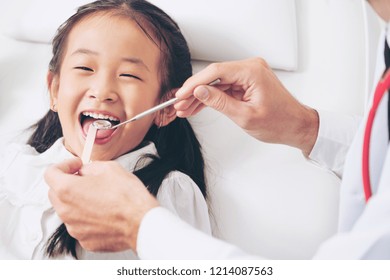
<point x="84" y="51"/>
<point x="133" y="60"/>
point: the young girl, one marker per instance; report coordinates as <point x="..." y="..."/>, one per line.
<point x="111" y="60"/>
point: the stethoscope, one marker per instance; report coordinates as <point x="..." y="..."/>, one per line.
<point x="380" y="91"/>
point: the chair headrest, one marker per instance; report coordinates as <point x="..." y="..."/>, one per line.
<point x="216" y="30"/>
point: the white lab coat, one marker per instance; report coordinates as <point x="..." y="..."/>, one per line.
<point x="364" y="229"/>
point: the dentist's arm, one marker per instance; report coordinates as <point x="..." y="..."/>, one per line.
<point x="253" y="97"/>
<point x="108" y="209"/>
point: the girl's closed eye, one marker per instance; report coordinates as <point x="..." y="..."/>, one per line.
<point x="84" y="68"/>
<point x="130" y="76"/>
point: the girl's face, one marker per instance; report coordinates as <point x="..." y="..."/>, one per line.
<point x="110" y="70"/>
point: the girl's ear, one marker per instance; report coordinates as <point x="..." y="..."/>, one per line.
<point x="168" y="114"/>
<point x="52" y="85"/>
<point x="165" y="116"/>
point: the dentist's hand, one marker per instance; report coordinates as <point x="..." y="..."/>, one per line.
<point x="103" y="207"/>
<point x="253" y="97"/>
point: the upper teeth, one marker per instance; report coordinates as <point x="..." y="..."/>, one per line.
<point x="100" y="116"/>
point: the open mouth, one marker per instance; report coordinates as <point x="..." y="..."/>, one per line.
<point x="87" y="118"/>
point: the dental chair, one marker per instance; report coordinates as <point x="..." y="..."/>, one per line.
<point x="265" y="198"/>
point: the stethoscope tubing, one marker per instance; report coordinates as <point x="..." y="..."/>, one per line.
<point x="380" y="91"/>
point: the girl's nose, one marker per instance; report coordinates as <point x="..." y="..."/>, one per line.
<point x="104" y="90"/>
<point x="103" y="97"/>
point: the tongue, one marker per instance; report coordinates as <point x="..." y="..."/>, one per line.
<point x="101" y="133"/>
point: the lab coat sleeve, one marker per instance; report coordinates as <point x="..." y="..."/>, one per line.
<point x="162" y="235"/>
<point x="335" y="135"/>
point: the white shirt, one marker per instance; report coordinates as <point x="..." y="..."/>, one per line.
<point x="28" y="219"/>
<point x="364" y="230"/>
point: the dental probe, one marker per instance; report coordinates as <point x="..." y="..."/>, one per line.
<point x="105" y="124"/>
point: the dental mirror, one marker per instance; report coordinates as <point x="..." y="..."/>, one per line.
<point x="102" y="124"/>
<point x="105" y="124"/>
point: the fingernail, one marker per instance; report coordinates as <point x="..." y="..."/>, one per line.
<point x="201" y="93"/>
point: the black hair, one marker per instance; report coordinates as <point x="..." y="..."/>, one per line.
<point x="176" y="143"/>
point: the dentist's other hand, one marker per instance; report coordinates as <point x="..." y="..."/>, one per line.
<point x="103" y="207"/>
<point x="253" y="97"/>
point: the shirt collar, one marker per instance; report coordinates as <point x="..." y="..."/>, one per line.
<point x="31" y="187"/>
<point x="57" y="153"/>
